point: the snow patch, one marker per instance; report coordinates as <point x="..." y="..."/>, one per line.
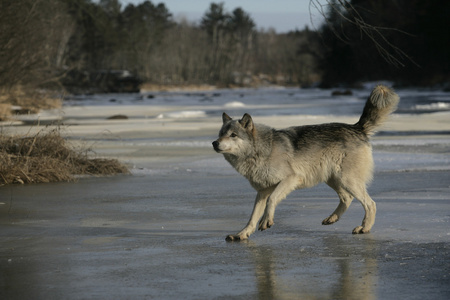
<point x="433" y="106"/>
<point x="234" y="104"/>
<point x="183" y="114"/>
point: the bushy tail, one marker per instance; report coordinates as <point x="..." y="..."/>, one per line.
<point x="382" y="101"/>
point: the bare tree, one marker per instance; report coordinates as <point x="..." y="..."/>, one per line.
<point x="33" y="40"/>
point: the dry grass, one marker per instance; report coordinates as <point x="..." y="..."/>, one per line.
<point x="48" y="157"/>
<point x="5" y="111"/>
<point x="31" y="101"/>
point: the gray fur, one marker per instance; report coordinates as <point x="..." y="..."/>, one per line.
<point x="276" y="162"/>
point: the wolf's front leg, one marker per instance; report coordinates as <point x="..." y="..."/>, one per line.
<point x="258" y="210"/>
<point x="283" y="188"/>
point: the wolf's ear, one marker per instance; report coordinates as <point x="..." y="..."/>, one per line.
<point x="225" y="118"/>
<point x="247" y="122"/>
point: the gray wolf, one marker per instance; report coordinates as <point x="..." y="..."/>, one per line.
<point x="279" y="161"/>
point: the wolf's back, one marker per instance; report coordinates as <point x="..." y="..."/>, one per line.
<point x="382" y="102"/>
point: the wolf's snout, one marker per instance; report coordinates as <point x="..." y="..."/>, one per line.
<point x="216" y="146"/>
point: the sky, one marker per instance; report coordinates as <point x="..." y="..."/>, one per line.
<point x="281" y="15"/>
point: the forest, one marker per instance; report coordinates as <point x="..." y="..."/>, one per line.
<point x="53" y="44"/>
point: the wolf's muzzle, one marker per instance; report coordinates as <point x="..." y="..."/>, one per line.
<point x="216" y="146"/>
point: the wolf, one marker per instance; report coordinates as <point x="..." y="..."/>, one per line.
<point x="279" y="161"/>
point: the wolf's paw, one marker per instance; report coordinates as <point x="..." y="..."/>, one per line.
<point x="330" y="220"/>
<point x="265" y="223"/>
<point x="236" y="238"/>
<point x="360" y="229"/>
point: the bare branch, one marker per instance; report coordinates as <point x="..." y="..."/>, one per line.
<point x="350" y="15"/>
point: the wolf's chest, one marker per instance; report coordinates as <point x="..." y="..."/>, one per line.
<point x="261" y="174"/>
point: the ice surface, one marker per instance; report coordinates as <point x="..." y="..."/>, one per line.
<point x="159" y="233"/>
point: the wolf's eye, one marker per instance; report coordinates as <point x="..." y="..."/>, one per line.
<point x="233" y="135"/>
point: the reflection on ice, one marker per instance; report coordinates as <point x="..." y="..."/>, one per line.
<point x="347" y="268"/>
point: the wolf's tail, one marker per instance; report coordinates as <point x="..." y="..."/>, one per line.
<point x="382" y="101"/>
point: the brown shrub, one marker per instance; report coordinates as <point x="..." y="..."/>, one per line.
<point x="48" y="157"/>
<point x="5" y="111"/>
<point x="29" y="100"/>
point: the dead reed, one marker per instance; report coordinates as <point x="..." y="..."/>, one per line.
<point x="48" y="157"/>
<point x="26" y="101"/>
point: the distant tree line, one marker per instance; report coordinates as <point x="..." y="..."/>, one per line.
<point x="43" y="42"/>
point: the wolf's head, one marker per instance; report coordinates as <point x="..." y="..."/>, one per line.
<point x="235" y="136"/>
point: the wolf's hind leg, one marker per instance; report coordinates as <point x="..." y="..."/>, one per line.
<point x="258" y="210"/>
<point x="345" y="199"/>
<point x="370" y="209"/>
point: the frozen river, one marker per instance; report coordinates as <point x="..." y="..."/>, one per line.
<point x="160" y="232"/>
